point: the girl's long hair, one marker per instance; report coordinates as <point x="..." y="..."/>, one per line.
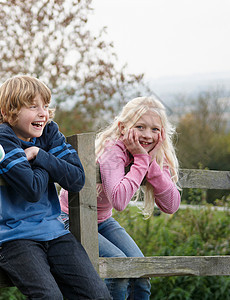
<point x="166" y="155"/>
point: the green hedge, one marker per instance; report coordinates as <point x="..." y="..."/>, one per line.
<point x="186" y="233"/>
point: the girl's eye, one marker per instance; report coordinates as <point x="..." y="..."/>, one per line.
<point x="32" y="106"/>
<point x="156" y="129"/>
<point x="46" y="107"/>
<point x="139" y="127"/>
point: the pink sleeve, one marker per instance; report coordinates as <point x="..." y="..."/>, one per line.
<point x="167" y="196"/>
<point x="119" y="187"/>
<point x="63" y="198"/>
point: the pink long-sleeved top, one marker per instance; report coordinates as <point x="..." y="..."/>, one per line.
<point x="118" y="188"/>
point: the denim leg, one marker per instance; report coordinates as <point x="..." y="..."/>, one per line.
<point x="117" y="287"/>
<point x="139" y="288"/>
<point x="26" y="263"/>
<point x="114" y="241"/>
<point x="73" y="270"/>
<point x="53" y="269"/>
<point x="113" y="232"/>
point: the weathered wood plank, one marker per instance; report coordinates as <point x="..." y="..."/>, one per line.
<point x="192" y="178"/>
<point x="83" y="205"/>
<point x="156" y="266"/>
<point x="204" y="179"/>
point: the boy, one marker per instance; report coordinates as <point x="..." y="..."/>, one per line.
<point x="42" y="259"/>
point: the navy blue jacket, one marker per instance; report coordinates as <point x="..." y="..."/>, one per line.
<point x="29" y="205"/>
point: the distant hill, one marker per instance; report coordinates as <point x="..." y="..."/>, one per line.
<point x="167" y="88"/>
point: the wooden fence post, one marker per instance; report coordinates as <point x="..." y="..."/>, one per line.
<point x="83" y="205"/>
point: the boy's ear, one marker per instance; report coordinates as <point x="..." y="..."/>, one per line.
<point x="121" y="128"/>
<point x="3" y="113"/>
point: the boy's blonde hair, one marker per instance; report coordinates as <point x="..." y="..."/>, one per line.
<point x="20" y="91"/>
<point x="166" y="155"/>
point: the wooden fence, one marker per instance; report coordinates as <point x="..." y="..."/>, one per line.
<point x="83" y="224"/>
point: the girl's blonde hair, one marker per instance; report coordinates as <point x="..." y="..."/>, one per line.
<point x="166" y="155"/>
<point x="20" y="91"/>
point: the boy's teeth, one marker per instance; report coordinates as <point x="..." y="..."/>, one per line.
<point x="37" y="123"/>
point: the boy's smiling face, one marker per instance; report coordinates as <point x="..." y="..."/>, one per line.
<point x="32" y="120"/>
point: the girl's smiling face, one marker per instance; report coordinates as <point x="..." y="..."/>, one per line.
<point x="148" y="128"/>
<point x="32" y="119"/>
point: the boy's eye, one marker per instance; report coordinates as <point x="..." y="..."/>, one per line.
<point x="46" y="106"/>
<point x="139" y="127"/>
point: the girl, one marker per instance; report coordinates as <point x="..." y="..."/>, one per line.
<point x="141" y="137"/>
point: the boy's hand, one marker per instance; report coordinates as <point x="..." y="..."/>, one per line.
<point x="131" y="142"/>
<point x="31" y="152"/>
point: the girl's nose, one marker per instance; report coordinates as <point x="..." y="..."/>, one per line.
<point x="147" y="133"/>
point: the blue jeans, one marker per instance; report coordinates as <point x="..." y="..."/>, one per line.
<point x="52" y="269"/>
<point x="114" y="241"/>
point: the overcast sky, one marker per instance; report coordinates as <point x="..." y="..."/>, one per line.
<point x="167" y="37"/>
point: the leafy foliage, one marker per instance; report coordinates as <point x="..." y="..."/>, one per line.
<point x="190" y="288"/>
<point x="186" y="233"/>
<point x="203" y="141"/>
<point x="203" y="136"/>
<point x="11" y="294"/>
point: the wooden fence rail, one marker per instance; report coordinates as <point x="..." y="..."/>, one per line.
<point x="83" y="224"/>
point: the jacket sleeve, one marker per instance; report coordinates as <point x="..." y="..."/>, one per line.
<point x="18" y="173"/>
<point x="118" y="186"/>
<point x="167" y="196"/>
<point x="61" y="161"/>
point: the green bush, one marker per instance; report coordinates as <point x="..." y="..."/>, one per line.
<point x="11" y="294"/>
<point x="186" y="233"/>
<point x="190" y="288"/>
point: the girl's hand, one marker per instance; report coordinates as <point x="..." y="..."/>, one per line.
<point x="160" y="140"/>
<point x="31" y="152"/>
<point x="131" y="142"/>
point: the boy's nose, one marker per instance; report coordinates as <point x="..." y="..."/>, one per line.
<point x="41" y="111"/>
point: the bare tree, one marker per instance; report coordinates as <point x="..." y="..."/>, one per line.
<point x="50" y="39"/>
